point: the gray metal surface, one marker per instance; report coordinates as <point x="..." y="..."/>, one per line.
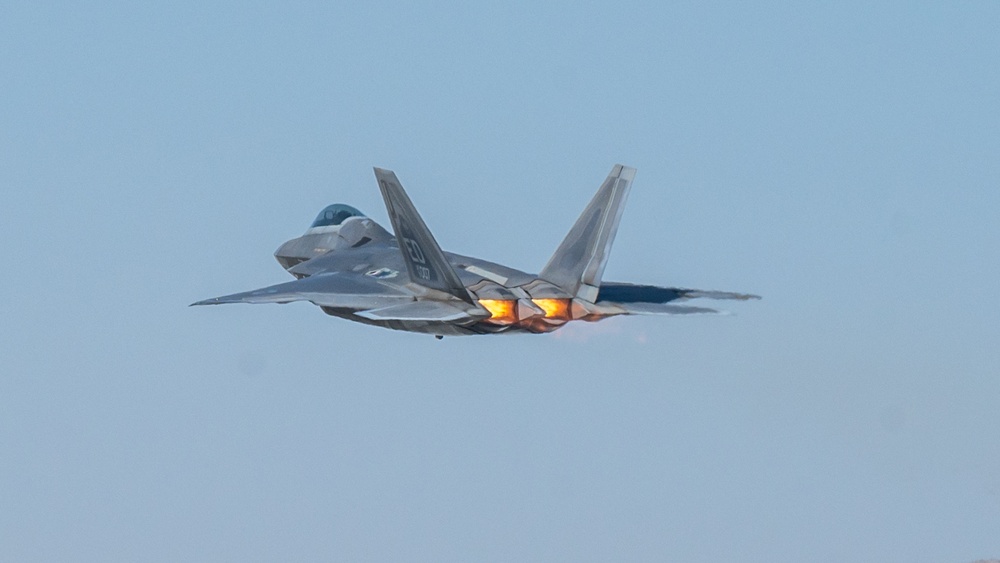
<point x="353" y="268"/>
<point x="424" y="259"/>
<point x="578" y="263"/>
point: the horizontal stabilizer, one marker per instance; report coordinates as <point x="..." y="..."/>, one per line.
<point x="423" y="311"/>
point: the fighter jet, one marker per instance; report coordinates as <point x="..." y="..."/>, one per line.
<point x="352" y="268"/>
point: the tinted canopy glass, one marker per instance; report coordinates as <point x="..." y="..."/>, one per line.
<point x="334" y="215"/>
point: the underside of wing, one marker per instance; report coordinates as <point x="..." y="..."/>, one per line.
<point x="338" y="289"/>
<point x="618" y="292"/>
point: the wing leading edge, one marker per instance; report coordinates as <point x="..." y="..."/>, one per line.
<point x="336" y="289"/>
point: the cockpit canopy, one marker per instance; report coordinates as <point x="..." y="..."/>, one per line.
<point x="334" y="215"/>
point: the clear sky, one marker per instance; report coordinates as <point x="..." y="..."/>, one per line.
<point x="842" y="160"/>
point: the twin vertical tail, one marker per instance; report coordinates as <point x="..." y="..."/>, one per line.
<point x="576" y="267"/>
<point x="578" y="264"/>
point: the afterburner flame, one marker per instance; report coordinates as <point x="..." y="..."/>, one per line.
<point x="501" y="311"/>
<point x="554" y="308"/>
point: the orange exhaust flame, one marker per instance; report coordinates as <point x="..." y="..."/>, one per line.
<point x="501" y="311"/>
<point x="554" y="308"/>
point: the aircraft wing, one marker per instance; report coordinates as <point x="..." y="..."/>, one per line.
<point x="336" y="289"/>
<point x="637" y="299"/>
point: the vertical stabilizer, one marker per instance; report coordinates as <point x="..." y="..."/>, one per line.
<point x="424" y="259"/>
<point x="578" y="263"/>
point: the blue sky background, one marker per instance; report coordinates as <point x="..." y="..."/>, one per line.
<point x="841" y="160"/>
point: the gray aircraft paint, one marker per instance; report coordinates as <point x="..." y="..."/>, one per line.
<point x="578" y="263"/>
<point x="354" y="269"/>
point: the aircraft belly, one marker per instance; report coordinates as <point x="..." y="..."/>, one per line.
<point x="424" y="327"/>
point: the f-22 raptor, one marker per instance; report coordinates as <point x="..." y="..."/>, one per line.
<point x="352" y="268"/>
